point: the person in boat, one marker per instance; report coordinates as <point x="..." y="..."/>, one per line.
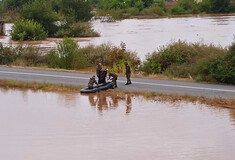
<point x="91" y="82"/>
<point x="98" y="71"/>
<point x="128" y="73"/>
<point x="103" y="75"/>
<point x="113" y="77"/>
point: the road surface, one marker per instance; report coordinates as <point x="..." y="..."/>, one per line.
<point x="138" y="84"/>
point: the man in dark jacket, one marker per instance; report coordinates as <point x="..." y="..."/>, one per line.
<point x="103" y="75"/>
<point x="128" y="73"/>
<point x="98" y="71"/>
<point x="113" y="77"/>
<point x="91" y="82"/>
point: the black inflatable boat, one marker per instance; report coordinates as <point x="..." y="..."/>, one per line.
<point x="96" y="88"/>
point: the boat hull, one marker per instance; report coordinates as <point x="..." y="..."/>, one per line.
<point x="97" y="88"/>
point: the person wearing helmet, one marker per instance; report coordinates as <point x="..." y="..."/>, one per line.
<point x="113" y="77"/>
<point x="91" y="82"/>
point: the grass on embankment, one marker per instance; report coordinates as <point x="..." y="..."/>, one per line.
<point x="217" y="102"/>
<point x="38" y="86"/>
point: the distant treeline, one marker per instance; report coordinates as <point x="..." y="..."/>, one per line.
<point x="127" y="8"/>
<point x="38" y="19"/>
<point x="177" y="60"/>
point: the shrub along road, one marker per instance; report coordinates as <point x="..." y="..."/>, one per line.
<point x="138" y="84"/>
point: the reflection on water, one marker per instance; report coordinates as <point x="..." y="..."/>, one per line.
<point x="106" y="102"/>
<point x="46" y="125"/>
<point x="147" y="35"/>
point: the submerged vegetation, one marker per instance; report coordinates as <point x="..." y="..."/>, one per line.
<point x="177" y="60"/>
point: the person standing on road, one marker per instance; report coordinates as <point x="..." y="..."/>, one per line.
<point x="128" y="73"/>
<point x="98" y="71"/>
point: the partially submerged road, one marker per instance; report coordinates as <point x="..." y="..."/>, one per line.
<point x="138" y="84"/>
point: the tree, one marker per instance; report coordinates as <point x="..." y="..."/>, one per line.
<point x="76" y="10"/>
<point x="205" y="6"/>
<point x="41" y="12"/>
<point x="219" y="6"/>
<point x="27" y="30"/>
<point x="140" y="5"/>
<point x="15" y="4"/>
<point x="147" y="3"/>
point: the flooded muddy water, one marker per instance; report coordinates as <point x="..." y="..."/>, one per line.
<point x="48" y="125"/>
<point x="146" y="35"/>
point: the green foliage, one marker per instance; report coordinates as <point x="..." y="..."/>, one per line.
<point x="132" y="11"/>
<point x="223" y="68"/>
<point x="153" y="10"/>
<point x="202" y="62"/>
<point x="232" y="7"/>
<point x="7" y="55"/>
<point x="15" y="4"/>
<point x="76" y="30"/>
<point x="140" y="5"/>
<point x="110" y="55"/>
<point x="184" y="7"/>
<point x="52" y="59"/>
<point x="116" y="13"/>
<point x="42" y="13"/>
<point x="219" y="6"/>
<point x="66" y="55"/>
<point x="76" y="10"/>
<point x="177" y="10"/>
<point x="147" y="3"/>
<point x="205" y="6"/>
<point x="27" y="30"/>
<point x="31" y="56"/>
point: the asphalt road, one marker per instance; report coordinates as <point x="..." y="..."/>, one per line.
<point x="138" y="84"/>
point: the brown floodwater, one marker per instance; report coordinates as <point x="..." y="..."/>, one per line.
<point x="147" y="35"/>
<point x="37" y="125"/>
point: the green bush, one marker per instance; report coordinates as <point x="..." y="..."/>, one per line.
<point x="66" y="56"/>
<point x="223" y="68"/>
<point x="110" y="55"/>
<point x="181" y="59"/>
<point x="31" y="56"/>
<point x="52" y="59"/>
<point x="116" y="13"/>
<point x="15" y="4"/>
<point x="132" y="11"/>
<point x="177" y="10"/>
<point x="7" y="55"/>
<point x="153" y="10"/>
<point x="42" y="13"/>
<point x="76" y="10"/>
<point x="24" y="29"/>
<point x="205" y="6"/>
<point x="76" y="30"/>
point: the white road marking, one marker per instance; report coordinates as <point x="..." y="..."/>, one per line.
<point x="144" y="83"/>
